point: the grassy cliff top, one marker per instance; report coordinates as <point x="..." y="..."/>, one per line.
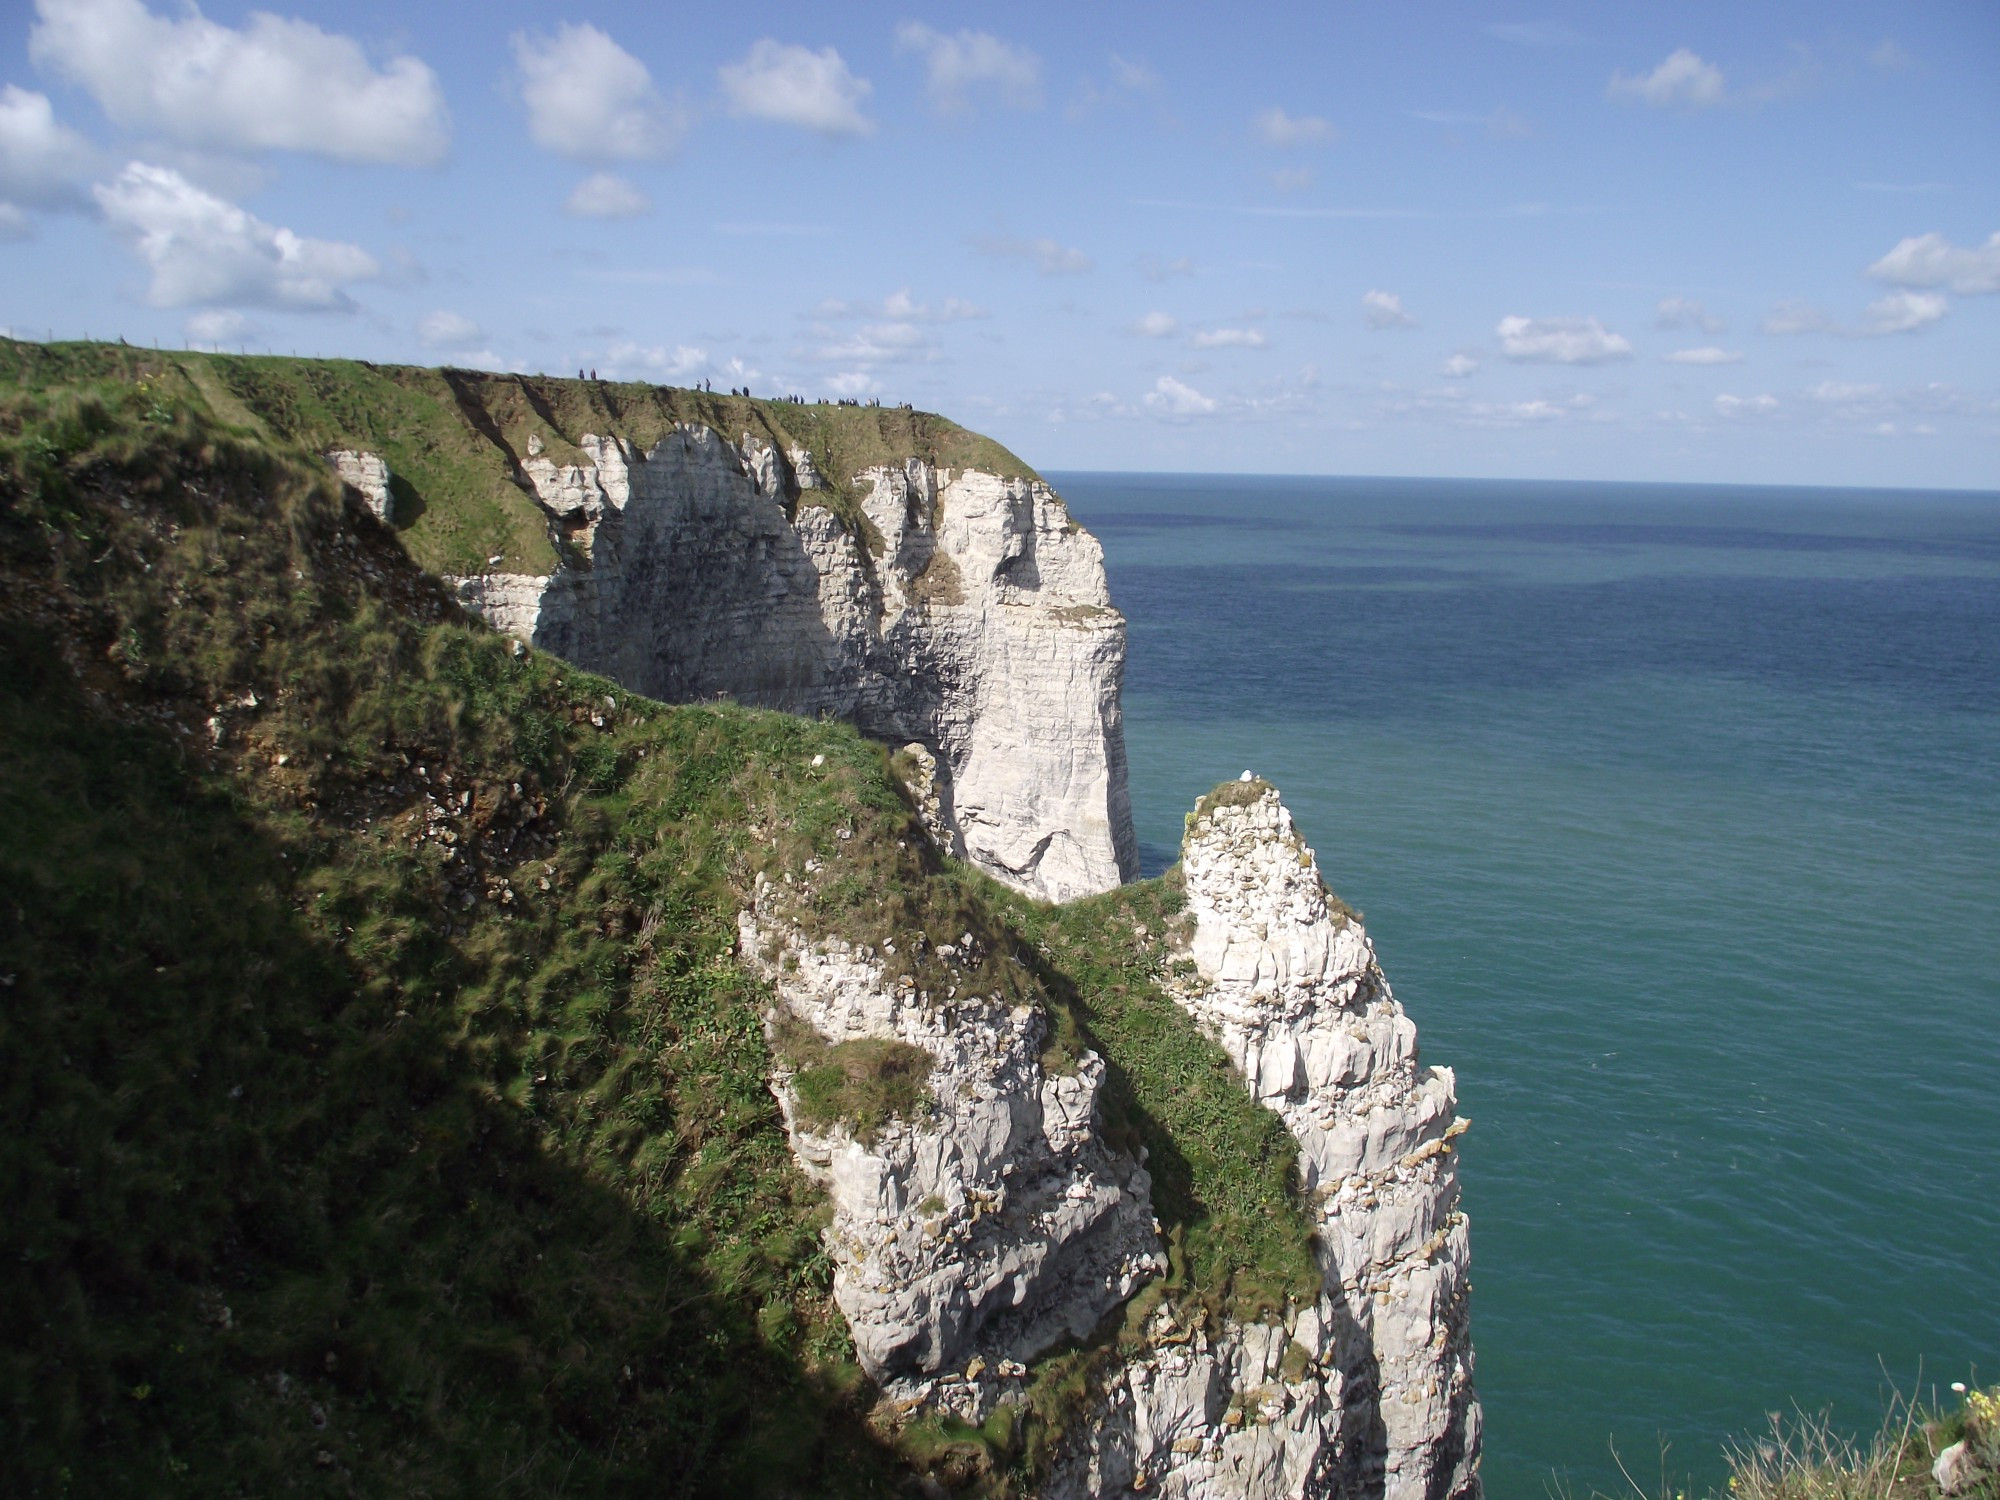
<point x="454" y="439"/>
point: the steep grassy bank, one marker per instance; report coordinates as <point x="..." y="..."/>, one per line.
<point x="386" y="1107"/>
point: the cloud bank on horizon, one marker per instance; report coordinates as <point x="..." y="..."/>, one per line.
<point x="1659" y="243"/>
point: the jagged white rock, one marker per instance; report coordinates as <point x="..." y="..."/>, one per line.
<point x="982" y="627"/>
<point x="974" y="1237"/>
<point x="367" y="473"/>
<point x="1382" y="1403"/>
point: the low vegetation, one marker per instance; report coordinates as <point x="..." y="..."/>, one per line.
<point x="1804" y="1456"/>
<point x="1224" y="1169"/>
<point x="862" y="1084"/>
<point x="389" y="1113"/>
<point x="455" y="438"/>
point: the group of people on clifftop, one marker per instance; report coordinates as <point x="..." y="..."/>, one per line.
<point x="707" y="387"/>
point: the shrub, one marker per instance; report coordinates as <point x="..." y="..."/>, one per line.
<point x="862" y="1084"/>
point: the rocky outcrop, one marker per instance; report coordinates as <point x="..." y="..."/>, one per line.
<point x="973" y="1234"/>
<point x="368" y="475"/>
<point x="957" y="609"/>
<point x="1369" y="1391"/>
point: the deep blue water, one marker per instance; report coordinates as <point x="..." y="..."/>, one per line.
<point x="1675" y="813"/>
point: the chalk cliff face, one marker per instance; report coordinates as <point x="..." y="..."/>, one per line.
<point x="956" y="609"/>
<point x="969" y="1239"/>
<point x="1368" y="1392"/>
<point x="965" y="617"/>
<point x="1290" y="986"/>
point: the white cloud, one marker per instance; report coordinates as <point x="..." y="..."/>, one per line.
<point x="958" y="64"/>
<point x="605" y="195"/>
<point x="1887" y="54"/>
<point x="900" y="305"/>
<point x="1904" y="312"/>
<point x="1176" y="399"/>
<point x="1796" y="317"/>
<point x="667" y="366"/>
<point x="853" y="383"/>
<point x="589" y="98"/>
<point x="1136" y="77"/>
<point x="1129" y="80"/>
<point x="1684" y="78"/>
<point x="1048" y="256"/>
<point x="447" y="330"/>
<point x="1160" y="268"/>
<point x="276" y="83"/>
<point x="14" y="224"/>
<point x="1523" y="411"/>
<point x="1276" y="128"/>
<point x="1385" y="310"/>
<point x="1229" y="338"/>
<point x="214" y="327"/>
<point x="1704" y="356"/>
<point x="40" y="159"/>
<point x="1855" y="402"/>
<point x="1843" y="391"/>
<point x="1679" y="312"/>
<point x="894" y="343"/>
<point x="1459" y="366"/>
<point x="1931" y="260"/>
<point x="205" y="251"/>
<point x="1156" y="325"/>
<point x="1562" y="341"/>
<point x="1746" y="406"/>
<point x="1503" y="124"/>
<point x="1292" y="179"/>
<point x="792" y="85"/>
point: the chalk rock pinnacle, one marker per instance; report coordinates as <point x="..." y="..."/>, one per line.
<point x="1368" y="1391"/>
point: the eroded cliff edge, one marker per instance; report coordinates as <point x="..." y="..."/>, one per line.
<point x="1008" y="1215"/>
<point x="956" y="609"/>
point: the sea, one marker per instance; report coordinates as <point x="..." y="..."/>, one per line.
<point x="1674" y="812"/>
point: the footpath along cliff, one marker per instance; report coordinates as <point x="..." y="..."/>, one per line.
<point x="1142" y="1193"/>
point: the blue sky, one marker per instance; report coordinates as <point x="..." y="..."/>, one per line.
<point x="1691" y="242"/>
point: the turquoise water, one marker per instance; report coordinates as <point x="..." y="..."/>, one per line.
<point x="1675" y="813"/>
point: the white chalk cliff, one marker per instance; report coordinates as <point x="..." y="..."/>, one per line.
<point x="969" y="614"/>
<point x="965" y="617"/>
<point x="968" y="1240"/>
<point x="1378" y="1397"/>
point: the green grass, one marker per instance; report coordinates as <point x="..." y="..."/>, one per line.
<point x="454" y="439"/>
<point x="388" y="1111"/>
<point x="470" y="1138"/>
<point x="862" y="1084"/>
<point x="1224" y="1168"/>
<point x="1801" y="1455"/>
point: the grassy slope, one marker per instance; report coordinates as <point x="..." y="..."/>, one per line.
<point x="453" y="438"/>
<point x="387" y="1111"/>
